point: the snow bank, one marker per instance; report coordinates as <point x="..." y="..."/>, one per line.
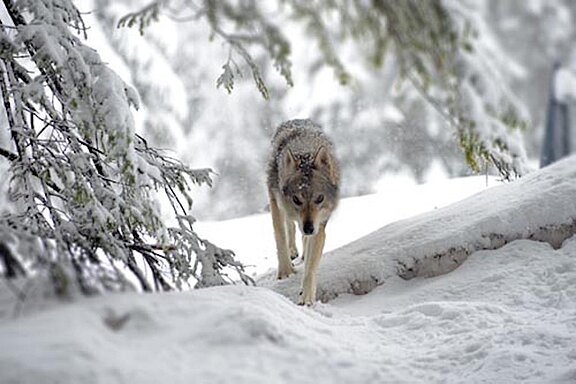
<point x="540" y="206"/>
<point x="216" y="335"/>
<point x="505" y="316"/>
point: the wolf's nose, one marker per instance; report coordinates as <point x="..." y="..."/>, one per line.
<point x="308" y="228"/>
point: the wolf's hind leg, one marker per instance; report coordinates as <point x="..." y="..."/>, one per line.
<point x="285" y="267"/>
<point x="291" y="229"/>
<point x="312" y="254"/>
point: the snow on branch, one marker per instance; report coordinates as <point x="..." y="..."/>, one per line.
<point x="84" y="185"/>
<point x="443" y="48"/>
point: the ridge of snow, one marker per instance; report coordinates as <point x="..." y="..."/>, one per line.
<point x="438" y="241"/>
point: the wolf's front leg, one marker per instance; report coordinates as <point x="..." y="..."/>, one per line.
<point x="285" y="267"/>
<point x="291" y="230"/>
<point x="312" y="254"/>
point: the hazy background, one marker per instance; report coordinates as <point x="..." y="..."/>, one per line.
<point x="384" y="131"/>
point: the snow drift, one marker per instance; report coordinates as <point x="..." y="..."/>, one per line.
<point x="540" y="206"/>
<point x="506" y="315"/>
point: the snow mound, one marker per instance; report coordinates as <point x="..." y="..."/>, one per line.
<point x="540" y="206"/>
<point x="227" y="334"/>
<point x="506" y="315"/>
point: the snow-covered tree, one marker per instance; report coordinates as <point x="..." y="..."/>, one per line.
<point x="434" y="43"/>
<point x="150" y="65"/>
<point x="82" y="185"/>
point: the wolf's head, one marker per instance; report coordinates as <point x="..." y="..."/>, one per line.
<point x="309" y="188"/>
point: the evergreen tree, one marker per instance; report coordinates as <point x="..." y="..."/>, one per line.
<point x="434" y="43"/>
<point x="83" y="186"/>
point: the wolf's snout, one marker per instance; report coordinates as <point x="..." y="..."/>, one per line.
<point x="308" y="228"/>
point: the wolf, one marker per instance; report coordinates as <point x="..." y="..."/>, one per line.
<point x="303" y="180"/>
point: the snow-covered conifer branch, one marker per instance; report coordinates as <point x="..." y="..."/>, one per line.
<point x="434" y="43"/>
<point x="84" y="185"/>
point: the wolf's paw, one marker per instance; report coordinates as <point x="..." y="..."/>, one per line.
<point x="284" y="273"/>
<point x="306" y="298"/>
<point x="293" y="254"/>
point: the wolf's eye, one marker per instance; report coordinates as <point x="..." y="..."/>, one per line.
<point x="319" y="199"/>
<point x="296" y="200"/>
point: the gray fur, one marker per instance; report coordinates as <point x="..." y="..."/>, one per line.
<point x="303" y="181"/>
<point x="303" y="138"/>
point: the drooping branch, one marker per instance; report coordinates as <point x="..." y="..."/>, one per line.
<point x="433" y="44"/>
<point x="84" y="182"/>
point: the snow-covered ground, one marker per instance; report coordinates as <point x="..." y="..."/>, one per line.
<point x="505" y="315"/>
<point x="252" y="238"/>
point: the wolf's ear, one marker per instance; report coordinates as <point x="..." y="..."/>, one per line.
<point x="323" y="161"/>
<point x="289" y="161"/>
